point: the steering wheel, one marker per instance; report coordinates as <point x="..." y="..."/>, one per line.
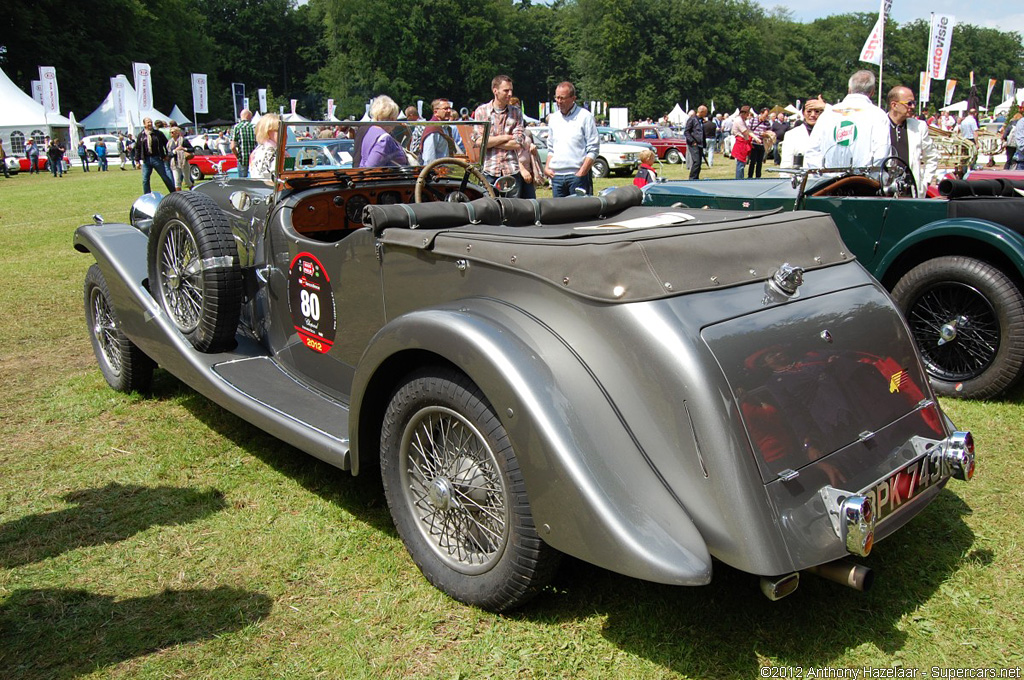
<point x="900" y="176"/>
<point x="428" y="170"/>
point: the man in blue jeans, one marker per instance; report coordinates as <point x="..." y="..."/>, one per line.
<point x="151" y="152"/>
<point x="573" y="145"/>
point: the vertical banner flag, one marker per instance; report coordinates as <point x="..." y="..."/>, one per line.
<point x="143" y="87"/>
<point x="200" y="100"/>
<point x="950" y="86"/>
<point x="872" y="50"/>
<point x="51" y="98"/>
<point x="245" y="103"/>
<point x="294" y="102"/>
<point x="938" y="45"/>
<point x="330" y="108"/>
<point x="37" y="91"/>
<point x="119" y="88"/>
<point x="238" y="99"/>
<point x="419" y="107"/>
<point x="925" y="88"/>
<point x="1007" y="89"/>
<point x="991" y="86"/>
<point x="261" y="93"/>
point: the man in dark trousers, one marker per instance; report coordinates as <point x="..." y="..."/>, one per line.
<point x="694" y="134"/>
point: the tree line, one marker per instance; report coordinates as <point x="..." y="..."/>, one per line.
<point x="643" y="54"/>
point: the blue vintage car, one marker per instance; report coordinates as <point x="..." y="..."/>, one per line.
<point x="646" y="389"/>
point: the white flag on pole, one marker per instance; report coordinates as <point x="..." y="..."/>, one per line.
<point x="51" y="98"/>
<point x="261" y="94"/>
<point x="143" y="87"/>
<point x="200" y="100"/>
<point x="925" y="88"/>
<point x="938" y="45"/>
<point x="1007" y="89"/>
<point x="872" y="50"/>
<point x="37" y="91"/>
<point x="950" y="87"/>
<point x="118" y="88"/>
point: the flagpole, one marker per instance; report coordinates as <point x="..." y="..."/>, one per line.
<point x="881" y="59"/>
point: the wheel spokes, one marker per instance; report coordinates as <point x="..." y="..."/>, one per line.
<point x="957" y="330"/>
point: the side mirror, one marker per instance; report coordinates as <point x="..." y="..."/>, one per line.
<point x="505" y="184"/>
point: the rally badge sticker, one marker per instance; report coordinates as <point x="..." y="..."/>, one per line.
<point x="311" y="302"/>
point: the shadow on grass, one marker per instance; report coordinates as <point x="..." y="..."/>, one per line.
<point x="362" y="496"/>
<point x="722" y="629"/>
<point x="54" y="633"/>
<point x="101" y="516"/>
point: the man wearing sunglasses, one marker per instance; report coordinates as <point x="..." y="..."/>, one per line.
<point x="909" y="138"/>
<point x="798" y="138"/>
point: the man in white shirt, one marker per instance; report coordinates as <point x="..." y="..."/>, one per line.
<point x="853" y="133"/>
<point x="969" y="125"/>
<point x="573" y="144"/>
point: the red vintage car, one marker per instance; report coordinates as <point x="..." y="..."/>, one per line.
<point x="24" y="163"/>
<point x="667" y="145"/>
<point x="205" y="163"/>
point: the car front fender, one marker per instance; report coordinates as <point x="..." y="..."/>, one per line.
<point x="591" y="492"/>
<point x="991" y="234"/>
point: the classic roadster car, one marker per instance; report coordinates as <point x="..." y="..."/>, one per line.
<point x="954" y="265"/>
<point x="643" y="388"/>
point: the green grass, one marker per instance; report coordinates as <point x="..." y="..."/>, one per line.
<point x="159" y="536"/>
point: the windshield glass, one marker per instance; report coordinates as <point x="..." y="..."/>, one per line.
<point x="313" y="146"/>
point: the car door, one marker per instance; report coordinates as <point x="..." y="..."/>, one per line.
<point x="320" y="290"/>
<point x="861" y="221"/>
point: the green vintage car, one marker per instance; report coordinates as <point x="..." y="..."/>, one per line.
<point x="954" y="264"/>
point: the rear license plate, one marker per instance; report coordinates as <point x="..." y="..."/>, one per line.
<point x="896" y="490"/>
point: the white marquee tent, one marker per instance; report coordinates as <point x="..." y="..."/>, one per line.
<point x="21" y="117"/>
<point x="677" y="116"/>
<point x="105" y="119"/>
<point x="179" y="117"/>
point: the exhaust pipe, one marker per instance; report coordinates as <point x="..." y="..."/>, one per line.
<point x="847" y="573"/>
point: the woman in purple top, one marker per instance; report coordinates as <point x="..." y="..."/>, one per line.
<point x="374" y="145"/>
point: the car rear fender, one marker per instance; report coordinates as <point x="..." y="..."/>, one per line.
<point x="912" y="249"/>
<point x="591" y="492"/>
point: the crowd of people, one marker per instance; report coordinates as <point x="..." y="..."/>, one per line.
<point x="853" y="132"/>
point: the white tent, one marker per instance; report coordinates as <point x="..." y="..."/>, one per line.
<point x="959" y="107"/>
<point x="21" y="117"/>
<point x="294" y="118"/>
<point x="178" y="116"/>
<point x="105" y="119"/>
<point x="1005" y="106"/>
<point x="677" y="115"/>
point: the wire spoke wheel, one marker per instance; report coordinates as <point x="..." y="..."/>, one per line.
<point x="957" y="330"/>
<point x="453" y="486"/>
<point x="967" y="319"/>
<point x="124" y="366"/>
<point x="181" y="276"/>
<point x="105" y="331"/>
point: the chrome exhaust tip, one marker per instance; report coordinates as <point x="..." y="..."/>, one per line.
<point x="778" y="587"/>
<point x="844" y="572"/>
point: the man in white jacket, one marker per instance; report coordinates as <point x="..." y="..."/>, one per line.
<point x="909" y="138"/>
<point x="853" y="133"/>
<point x="797" y="139"/>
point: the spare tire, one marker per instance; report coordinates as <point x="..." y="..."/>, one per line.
<point x="194" y="273"/>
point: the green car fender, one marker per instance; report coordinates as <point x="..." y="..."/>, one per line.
<point x="952" y="236"/>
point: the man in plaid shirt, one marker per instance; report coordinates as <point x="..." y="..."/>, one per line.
<point x="501" y="157"/>
<point x="243" y="141"/>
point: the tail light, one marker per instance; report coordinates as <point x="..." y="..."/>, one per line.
<point x="959" y="454"/>
<point x="857" y="520"/>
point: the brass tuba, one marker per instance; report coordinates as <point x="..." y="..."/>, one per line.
<point x="955" y="152"/>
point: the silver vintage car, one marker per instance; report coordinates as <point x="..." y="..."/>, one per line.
<point x="648" y="389"/>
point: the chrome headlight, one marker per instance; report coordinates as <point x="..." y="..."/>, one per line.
<point x="144" y="210"/>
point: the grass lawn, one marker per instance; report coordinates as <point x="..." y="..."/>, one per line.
<point x="158" y="536"/>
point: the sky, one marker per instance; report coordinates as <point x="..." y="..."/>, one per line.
<point x="1006" y="15"/>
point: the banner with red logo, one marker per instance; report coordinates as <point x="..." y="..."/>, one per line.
<point x="200" y="100"/>
<point x="938" y="45"/>
<point x="872" y="50"/>
<point x="119" y="90"/>
<point x="143" y="86"/>
<point x="51" y="98"/>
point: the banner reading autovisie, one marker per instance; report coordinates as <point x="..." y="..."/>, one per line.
<point x="938" y="45"/>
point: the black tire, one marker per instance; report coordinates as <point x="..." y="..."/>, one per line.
<point x="967" y="319"/>
<point x="91" y="155"/>
<point x="123" y="365"/>
<point x="193" y="270"/>
<point x="600" y="168"/>
<point x="195" y="173"/>
<point x="673" y="156"/>
<point x="460" y="503"/>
